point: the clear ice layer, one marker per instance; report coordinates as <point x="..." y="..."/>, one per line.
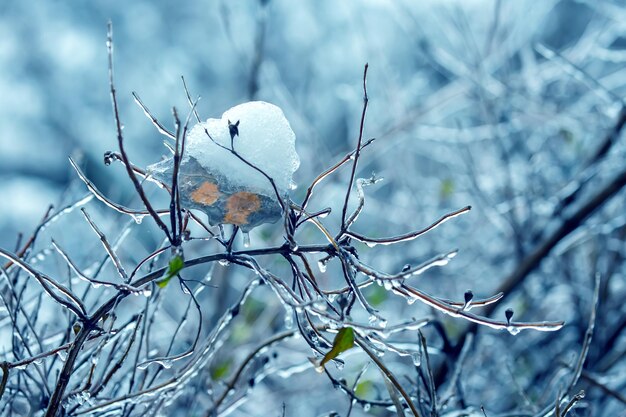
<point x="215" y="181"/>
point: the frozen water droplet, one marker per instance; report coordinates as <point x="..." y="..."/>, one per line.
<point x="321" y="306"/>
<point x="376" y="320"/>
<point x="86" y="396"/>
<point x="224" y="262"/>
<point x="288" y="320"/>
<point x="410" y="300"/>
<point x="293" y="185"/>
<point x="416" y="357"/>
<point x="137" y="218"/>
<point x="513" y="330"/>
<point x="384" y="335"/>
<point x="366" y="407"/>
<point x="370" y="244"/>
<point x="167" y="364"/>
<point x="509" y="315"/>
<point x="77" y="399"/>
<point x="322" y="265"/>
<point x="246" y="239"/>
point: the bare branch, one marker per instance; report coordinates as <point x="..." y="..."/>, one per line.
<point x="408" y="236"/>
<point x="120" y="140"/>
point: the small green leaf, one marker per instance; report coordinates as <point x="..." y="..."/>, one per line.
<point x="344" y="340"/>
<point x="252" y="309"/>
<point x="220" y="370"/>
<point x="363" y="388"/>
<point x="240" y="333"/>
<point x="376" y="295"/>
<point x="446" y="189"/>
<point x="175" y="266"/>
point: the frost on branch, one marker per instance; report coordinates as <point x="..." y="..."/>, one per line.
<point x="214" y="176"/>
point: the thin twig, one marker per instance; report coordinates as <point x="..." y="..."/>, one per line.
<point x="5" y="377"/>
<point x="120" y="140"/>
<point x="390" y="376"/>
<point x="407" y="236"/>
<point x="329" y="171"/>
<point x="230" y="385"/>
<point x="357" y="154"/>
<point x="153" y="119"/>
<point x="107" y="247"/>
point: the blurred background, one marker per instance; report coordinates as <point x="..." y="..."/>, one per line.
<point x="515" y="108"/>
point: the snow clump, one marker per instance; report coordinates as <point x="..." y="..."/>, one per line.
<point x="216" y="181"/>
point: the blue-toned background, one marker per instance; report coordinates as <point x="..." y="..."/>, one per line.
<point x="500" y="105"/>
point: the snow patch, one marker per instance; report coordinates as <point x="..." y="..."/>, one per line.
<point x="265" y="139"/>
<point x="217" y="181"/>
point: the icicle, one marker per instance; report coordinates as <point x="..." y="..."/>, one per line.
<point x="322" y="264"/>
<point x="138" y="218"/>
<point x="416" y="358"/>
<point x="513" y="330"/>
<point x="165" y="363"/>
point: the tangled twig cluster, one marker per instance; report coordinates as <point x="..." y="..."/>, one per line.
<point x="98" y="366"/>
